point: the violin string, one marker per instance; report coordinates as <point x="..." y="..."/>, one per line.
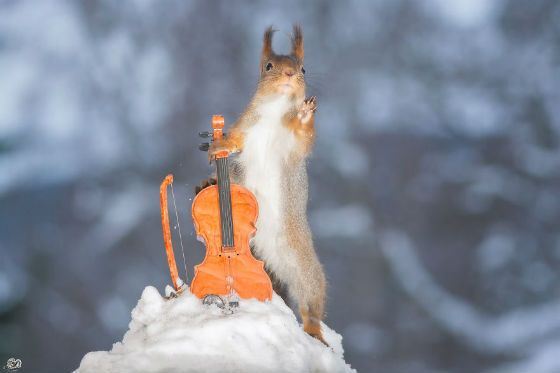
<point x="226" y="202"/>
<point x="227" y="192"/>
<point x="221" y="188"/>
<point x="180" y="236"/>
<point x="229" y="220"/>
<point x="224" y="195"/>
<point x="228" y="206"/>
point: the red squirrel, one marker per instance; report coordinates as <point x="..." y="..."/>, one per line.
<point x="274" y="137"/>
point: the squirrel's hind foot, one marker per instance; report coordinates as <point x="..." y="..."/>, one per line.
<point x="315" y="331"/>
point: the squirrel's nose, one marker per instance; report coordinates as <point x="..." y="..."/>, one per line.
<point x="289" y="72"/>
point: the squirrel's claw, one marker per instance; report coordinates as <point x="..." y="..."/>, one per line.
<point x="313" y="102"/>
<point x="310" y="103"/>
<point x="307" y="109"/>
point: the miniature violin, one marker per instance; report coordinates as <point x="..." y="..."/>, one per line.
<point x="224" y="217"/>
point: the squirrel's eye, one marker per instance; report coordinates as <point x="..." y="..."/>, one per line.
<point x="302" y="70"/>
<point x="268" y="66"/>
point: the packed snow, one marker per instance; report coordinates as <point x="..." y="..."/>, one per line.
<point x="183" y="335"/>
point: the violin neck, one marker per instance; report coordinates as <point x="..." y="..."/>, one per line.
<point x="224" y="193"/>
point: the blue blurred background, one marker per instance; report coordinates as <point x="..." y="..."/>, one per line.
<point x="434" y="183"/>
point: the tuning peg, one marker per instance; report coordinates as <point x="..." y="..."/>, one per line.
<point x="205" y="134"/>
<point x="204" y="146"/>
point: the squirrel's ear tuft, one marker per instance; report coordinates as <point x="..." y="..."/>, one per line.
<point x="297" y="42"/>
<point x="267" y="44"/>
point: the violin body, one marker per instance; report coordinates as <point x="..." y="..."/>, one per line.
<point x="224" y="217"/>
<point x="232" y="269"/>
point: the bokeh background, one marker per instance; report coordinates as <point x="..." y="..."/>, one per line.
<point x="435" y="185"/>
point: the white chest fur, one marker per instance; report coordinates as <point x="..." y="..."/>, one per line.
<point x="267" y="145"/>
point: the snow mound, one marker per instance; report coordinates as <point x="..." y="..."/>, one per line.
<point x="183" y="335"/>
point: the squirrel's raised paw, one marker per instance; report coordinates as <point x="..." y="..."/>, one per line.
<point x="307" y="109"/>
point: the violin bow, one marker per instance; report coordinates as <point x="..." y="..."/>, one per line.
<point x="177" y="282"/>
